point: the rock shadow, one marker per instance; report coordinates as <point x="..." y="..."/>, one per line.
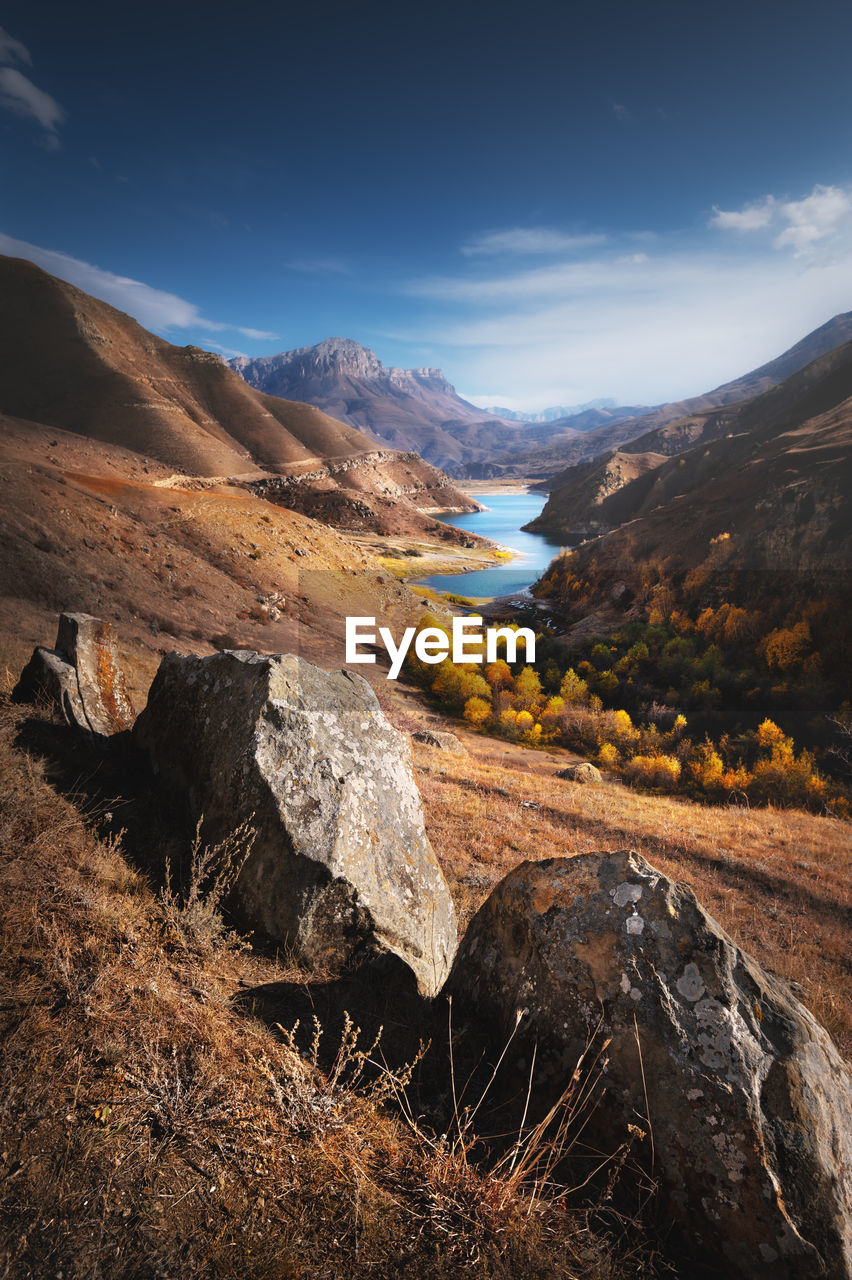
<point x="112" y="787"/>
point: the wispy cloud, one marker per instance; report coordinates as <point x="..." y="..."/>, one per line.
<point x="20" y="96"/>
<point x="319" y="266"/>
<point x="558" y="280"/>
<point x="227" y="351"/>
<point x="679" y="315"/>
<point x="800" y="225"/>
<point x="154" y="308"/>
<point x="752" y="218"/>
<point x="260" y="335"/>
<point x="529" y="240"/>
<point x="11" y="50"/>
<point x="620" y="111"/>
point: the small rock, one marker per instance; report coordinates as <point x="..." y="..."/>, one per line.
<point x="584" y="773"/>
<point x="81" y="675"/>
<point x="440" y="741"/>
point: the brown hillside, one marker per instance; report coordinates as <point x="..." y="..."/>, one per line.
<point x="75" y="363"/>
<point x="650" y="431"/>
<point x="773" y="491"/>
<point x="576" y="505"/>
<point x="174" y="563"/>
<point x="71" y="361"/>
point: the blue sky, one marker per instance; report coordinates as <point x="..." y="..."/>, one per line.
<point x="551" y="201"/>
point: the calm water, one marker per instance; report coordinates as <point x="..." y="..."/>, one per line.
<point x="501" y="522"/>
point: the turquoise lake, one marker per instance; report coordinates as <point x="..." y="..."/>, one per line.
<point x="501" y="522"/>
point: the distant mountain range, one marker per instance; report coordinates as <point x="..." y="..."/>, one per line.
<point x="409" y="408"/>
<point x="547" y="460"/>
<point x="419" y="410"/>
<point x="552" y="414"/>
<point x="402" y="408"/>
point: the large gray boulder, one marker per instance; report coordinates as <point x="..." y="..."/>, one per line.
<point x="340" y="867"/>
<point x="745" y="1101"/>
<point x="81" y="675"/>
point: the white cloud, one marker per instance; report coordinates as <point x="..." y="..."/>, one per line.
<point x="529" y="240"/>
<point x="21" y="96"/>
<point x="260" y="335"/>
<point x="643" y="327"/>
<point x="558" y="280"/>
<point x="11" y="50"/>
<point x="620" y="111"/>
<point x="821" y="216"/>
<point x="227" y="351"/>
<point x="153" y="308"/>
<point x="752" y="218"/>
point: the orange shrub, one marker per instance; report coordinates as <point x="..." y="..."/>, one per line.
<point x="661" y="771"/>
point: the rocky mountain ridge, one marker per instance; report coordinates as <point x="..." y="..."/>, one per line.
<point x="414" y="409"/>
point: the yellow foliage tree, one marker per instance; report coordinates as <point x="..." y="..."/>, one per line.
<point x="527" y="689"/>
<point x="661" y="771"/>
<point x="509" y="722"/>
<point x="477" y="711"/>
<point x="573" y="689"/>
<point x="498" y="674"/>
<point x="472" y="685"/>
<point x="447" y="683"/>
<point x="786" y="647"/>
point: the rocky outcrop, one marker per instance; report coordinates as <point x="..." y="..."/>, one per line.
<point x="81" y="676"/>
<point x="440" y="741"/>
<point x="584" y="773"/>
<point x="744" y="1099"/>
<point x="340" y="866"/>
<point x="403" y="408"/>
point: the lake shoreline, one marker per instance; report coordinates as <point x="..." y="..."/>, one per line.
<point x="525" y="556"/>
<point x="488" y="488"/>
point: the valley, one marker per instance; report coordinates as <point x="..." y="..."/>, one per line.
<point x="688" y="592"/>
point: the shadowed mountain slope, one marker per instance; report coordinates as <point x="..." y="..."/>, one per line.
<point x="775" y="491"/>
<point x="75" y="363"/>
<point x="667" y="428"/>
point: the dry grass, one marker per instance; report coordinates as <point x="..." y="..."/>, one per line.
<point x="150" y="1129"/>
<point x="778" y="880"/>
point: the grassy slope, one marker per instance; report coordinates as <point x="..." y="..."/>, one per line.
<point x="777" y="880"/>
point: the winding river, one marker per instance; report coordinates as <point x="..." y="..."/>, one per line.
<point x="501" y="521"/>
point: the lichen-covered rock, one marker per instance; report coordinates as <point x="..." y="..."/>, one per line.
<point x="81" y="675"/>
<point x="584" y="773"/>
<point x="742" y="1093"/>
<point x="440" y="740"/>
<point x="340" y="867"/>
